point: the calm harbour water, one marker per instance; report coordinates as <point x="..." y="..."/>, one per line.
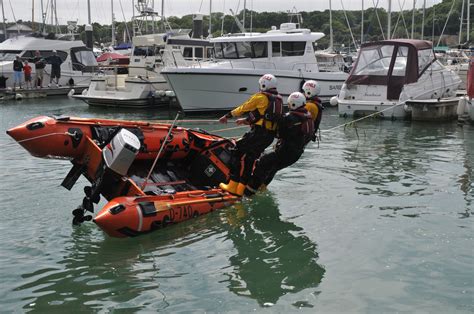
<point x="378" y="219"/>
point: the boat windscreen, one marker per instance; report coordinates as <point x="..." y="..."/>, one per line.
<point x="425" y="58"/>
<point x="374" y="60"/>
<point x="85" y="57"/>
<point x="9" y="55"/>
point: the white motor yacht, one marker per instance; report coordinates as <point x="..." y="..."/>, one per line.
<point x="388" y="73"/>
<point x="143" y="86"/>
<point x="78" y="64"/>
<point x="241" y="59"/>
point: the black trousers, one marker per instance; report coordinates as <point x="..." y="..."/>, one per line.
<point x="269" y="164"/>
<point x="249" y="147"/>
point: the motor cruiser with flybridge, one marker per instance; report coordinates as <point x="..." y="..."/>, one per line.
<point x="240" y="59"/>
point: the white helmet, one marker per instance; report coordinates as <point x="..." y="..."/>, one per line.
<point x="296" y="100"/>
<point x="267" y="82"/>
<point x="311" y="88"/>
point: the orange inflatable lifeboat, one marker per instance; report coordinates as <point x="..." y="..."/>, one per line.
<point x="117" y="157"/>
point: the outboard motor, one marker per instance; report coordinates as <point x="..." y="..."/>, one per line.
<point x="118" y="155"/>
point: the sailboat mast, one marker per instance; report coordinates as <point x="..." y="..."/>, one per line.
<point x="4" y="22"/>
<point x="163" y="14"/>
<point x="423" y="21"/>
<point x="33" y="15"/>
<point x="460" y="24"/>
<point x="413" y="20"/>
<point x="245" y="7"/>
<point x="362" y="25"/>
<point x="89" y="20"/>
<point x="113" y="22"/>
<point x="331" y="39"/>
<point x="389" y="22"/>
<point x="52" y="16"/>
<point x="210" y="18"/>
<point x="468" y="19"/>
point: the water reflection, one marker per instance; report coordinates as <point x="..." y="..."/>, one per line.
<point x="109" y="274"/>
<point x="273" y="257"/>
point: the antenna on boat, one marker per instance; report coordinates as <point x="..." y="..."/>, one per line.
<point x="160" y="151"/>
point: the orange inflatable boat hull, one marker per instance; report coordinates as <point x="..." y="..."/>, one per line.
<point x="181" y="186"/>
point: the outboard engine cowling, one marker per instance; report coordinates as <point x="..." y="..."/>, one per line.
<point x="120" y="153"/>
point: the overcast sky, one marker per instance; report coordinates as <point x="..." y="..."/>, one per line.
<point x="76" y="10"/>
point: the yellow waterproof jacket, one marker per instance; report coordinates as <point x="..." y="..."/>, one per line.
<point x="312" y="109"/>
<point x="258" y="102"/>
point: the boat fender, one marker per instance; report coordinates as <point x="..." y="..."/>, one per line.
<point x="461" y="106"/>
<point x="76" y="136"/>
<point x="84" y="92"/>
<point x="71" y="93"/>
<point x="18" y="96"/>
<point x="333" y="101"/>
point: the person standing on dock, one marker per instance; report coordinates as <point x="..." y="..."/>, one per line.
<point x="295" y="130"/>
<point x="55" y="62"/>
<point x="40" y="64"/>
<point x="27" y="70"/>
<point x="263" y="111"/>
<point x="18" y="71"/>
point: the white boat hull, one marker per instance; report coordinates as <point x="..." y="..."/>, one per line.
<point x="123" y="91"/>
<point x="199" y="91"/>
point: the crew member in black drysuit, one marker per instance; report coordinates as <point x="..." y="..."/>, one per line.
<point x="262" y="111"/>
<point x="295" y="130"/>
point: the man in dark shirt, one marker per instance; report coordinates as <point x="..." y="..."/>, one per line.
<point x="55" y="62"/>
<point x="39" y="69"/>
<point x="17" y="71"/>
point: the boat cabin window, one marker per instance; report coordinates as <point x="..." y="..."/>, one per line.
<point x="400" y="66"/>
<point x="198" y="52"/>
<point x="240" y="50"/>
<point x="147" y="51"/>
<point x="259" y="49"/>
<point x="425" y="58"/>
<point x="8" y="55"/>
<point x="374" y="60"/>
<point x="244" y="49"/>
<point x="188" y="52"/>
<point x="288" y="48"/>
<point x="276" y="49"/>
<point x="30" y="54"/>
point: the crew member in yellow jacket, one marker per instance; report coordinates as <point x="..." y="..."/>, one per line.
<point x="262" y="112"/>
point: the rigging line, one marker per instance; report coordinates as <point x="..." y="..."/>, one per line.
<point x="348" y="24"/>
<point x="378" y="18"/>
<point x="200" y="7"/>
<point x="14" y="17"/>
<point x="446" y="23"/>
<point x="403" y="18"/>
<point x="125" y="21"/>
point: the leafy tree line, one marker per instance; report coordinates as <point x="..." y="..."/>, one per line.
<point x="435" y="18"/>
